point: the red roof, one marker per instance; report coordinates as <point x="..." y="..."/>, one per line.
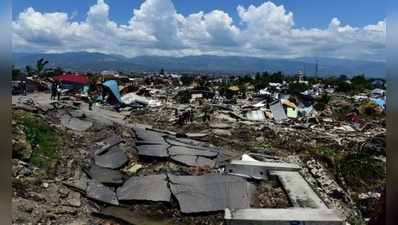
<point x="72" y="78"/>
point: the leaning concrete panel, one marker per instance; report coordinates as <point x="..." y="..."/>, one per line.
<point x="149" y="188"/>
<point x="291" y="216"/>
<point x="299" y="191"/>
<point x="210" y="193"/>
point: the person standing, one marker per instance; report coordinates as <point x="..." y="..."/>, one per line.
<point x="59" y="89"/>
<point x="53" y="91"/>
<point x="23" y="87"/>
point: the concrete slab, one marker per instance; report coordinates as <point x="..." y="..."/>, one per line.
<point x="132" y="217"/>
<point x="247" y="171"/>
<point x="153" y="150"/>
<point x="109" y="143"/>
<point x="277" y="166"/>
<point x="258" y="169"/>
<point x="105" y="176"/>
<point x="149" y="188"/>
<point x="299" y="191"/>
<point x="75" y="123"/>
<point x="291" y="216"/>
<point x="114" y="158"/>
<point x="211" y="192"/>
<point x="192" y="160"/>
<point x="102" y="193"/>
<point x="181" y="150"/>
<point x="149" y="136"/>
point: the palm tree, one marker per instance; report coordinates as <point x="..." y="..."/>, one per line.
<point x="40" y="64"/>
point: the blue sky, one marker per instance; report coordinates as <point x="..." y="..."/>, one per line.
<point x="276" y="29"/>
<point x="307" y="13"/>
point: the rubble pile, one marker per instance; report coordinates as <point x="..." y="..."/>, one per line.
<point x="153" y="150"/>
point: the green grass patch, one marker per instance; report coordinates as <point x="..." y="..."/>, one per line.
<point x="360" y="171"/>
<point x="44" y="140"/>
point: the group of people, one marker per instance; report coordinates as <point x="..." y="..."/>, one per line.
<point x="184" y="117"/>
<point x="56" y="89"/>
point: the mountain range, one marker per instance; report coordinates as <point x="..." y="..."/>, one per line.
<point x="96" y="62"/>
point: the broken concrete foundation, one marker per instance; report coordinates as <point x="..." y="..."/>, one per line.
<point x="257" y="169"/>
<point x="290" y="216"/>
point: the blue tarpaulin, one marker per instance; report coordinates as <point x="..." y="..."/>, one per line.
<point x="112" y="85"/>
<point x="379" y="101"/>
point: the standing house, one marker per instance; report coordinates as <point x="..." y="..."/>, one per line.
<point x="73" y="82"/>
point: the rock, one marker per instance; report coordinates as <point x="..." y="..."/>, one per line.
<point x="64" y="210"/>
<point x="78" y="222"/>
<point x="24" y="205"/>
<point x="74" y="199"/>
<point x="45" y="185"/>
<point x="21" y="148"/>
<point x="222" y="132"/>
<point x="133" y="169"/>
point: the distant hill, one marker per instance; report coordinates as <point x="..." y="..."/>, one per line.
<point x="95" y="62"/>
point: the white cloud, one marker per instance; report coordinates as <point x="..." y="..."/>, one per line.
<point x="155" y="28"/>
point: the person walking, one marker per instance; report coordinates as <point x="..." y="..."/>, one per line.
<point x="91" y="100"/>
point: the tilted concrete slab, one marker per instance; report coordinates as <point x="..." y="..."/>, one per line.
<point x="185" y="150"/>
<point x="102" y="193"/>
<point x="149" y="136"/>
<point x="114" y="158"/>
<point x="298" y="190"/>
<point x="75" y="123"/>
<point x="192" y="160"/>
<point x="153" y="150"/>
<point x="290" y="216"/>
<point x="211" y="192"/>
<point x="105" y="175"/>
<point x="149" y="188"/>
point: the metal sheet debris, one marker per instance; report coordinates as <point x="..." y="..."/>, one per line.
<point x="277" y="112"/>
<point x="210" y="193"/>
<point x="149" y="188"/>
